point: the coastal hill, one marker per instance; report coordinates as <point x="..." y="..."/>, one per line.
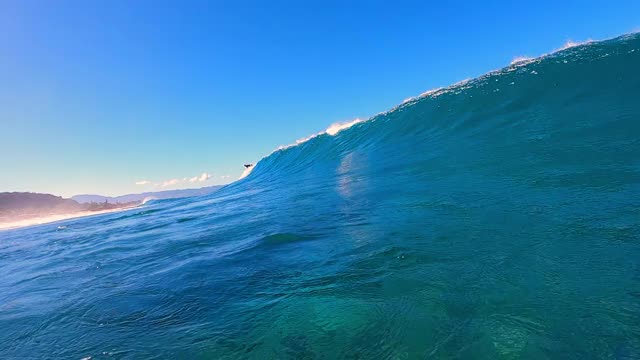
<point x="25" y="201"/>
<point x="19" y="206"/>
<point x="15" y="206"/>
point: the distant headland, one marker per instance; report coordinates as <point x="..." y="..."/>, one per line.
<point x="18" y="209"/>
<point x="24" y="206"/>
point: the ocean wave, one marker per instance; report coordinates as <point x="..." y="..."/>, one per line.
<point x="518" y="61"/>
<point x="494" y="218"/>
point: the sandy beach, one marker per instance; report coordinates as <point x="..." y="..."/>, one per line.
<point x="56" y="217"/>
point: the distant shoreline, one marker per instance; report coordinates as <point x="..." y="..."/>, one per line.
<point x="41" y="220"/>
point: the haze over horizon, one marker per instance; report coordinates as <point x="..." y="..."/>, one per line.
<point x="119" y="98"/>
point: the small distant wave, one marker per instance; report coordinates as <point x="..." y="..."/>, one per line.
<point x="147" y="199"/>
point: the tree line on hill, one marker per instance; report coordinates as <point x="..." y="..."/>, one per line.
<point x="24" y="205"/>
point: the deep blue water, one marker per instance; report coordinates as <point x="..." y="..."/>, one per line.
<point x="495" y="219"/>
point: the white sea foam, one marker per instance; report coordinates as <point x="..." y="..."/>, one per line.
<point x="298" y="142"/>
<point x="147" y="199"/>
<point x="521" y="60"/>
<point x="246" y="172"/>
<point x="525" y="60"/>
<point x="332" y="130"/>
<point x="570" y="43"/>
<point x="337" y="127"/>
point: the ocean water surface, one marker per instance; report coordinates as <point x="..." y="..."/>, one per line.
<point x="495" y="219"/>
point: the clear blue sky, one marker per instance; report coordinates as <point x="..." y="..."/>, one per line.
<point x="98" y="95"/>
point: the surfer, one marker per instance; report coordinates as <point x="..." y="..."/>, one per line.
<point x="248" y="165"/>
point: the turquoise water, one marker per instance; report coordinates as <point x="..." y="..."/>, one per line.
<point x="495" y="219"/>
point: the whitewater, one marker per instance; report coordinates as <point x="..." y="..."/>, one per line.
<point x="498" y="218"/>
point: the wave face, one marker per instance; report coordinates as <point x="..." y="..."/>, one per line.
<point x="497" y="218"/>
